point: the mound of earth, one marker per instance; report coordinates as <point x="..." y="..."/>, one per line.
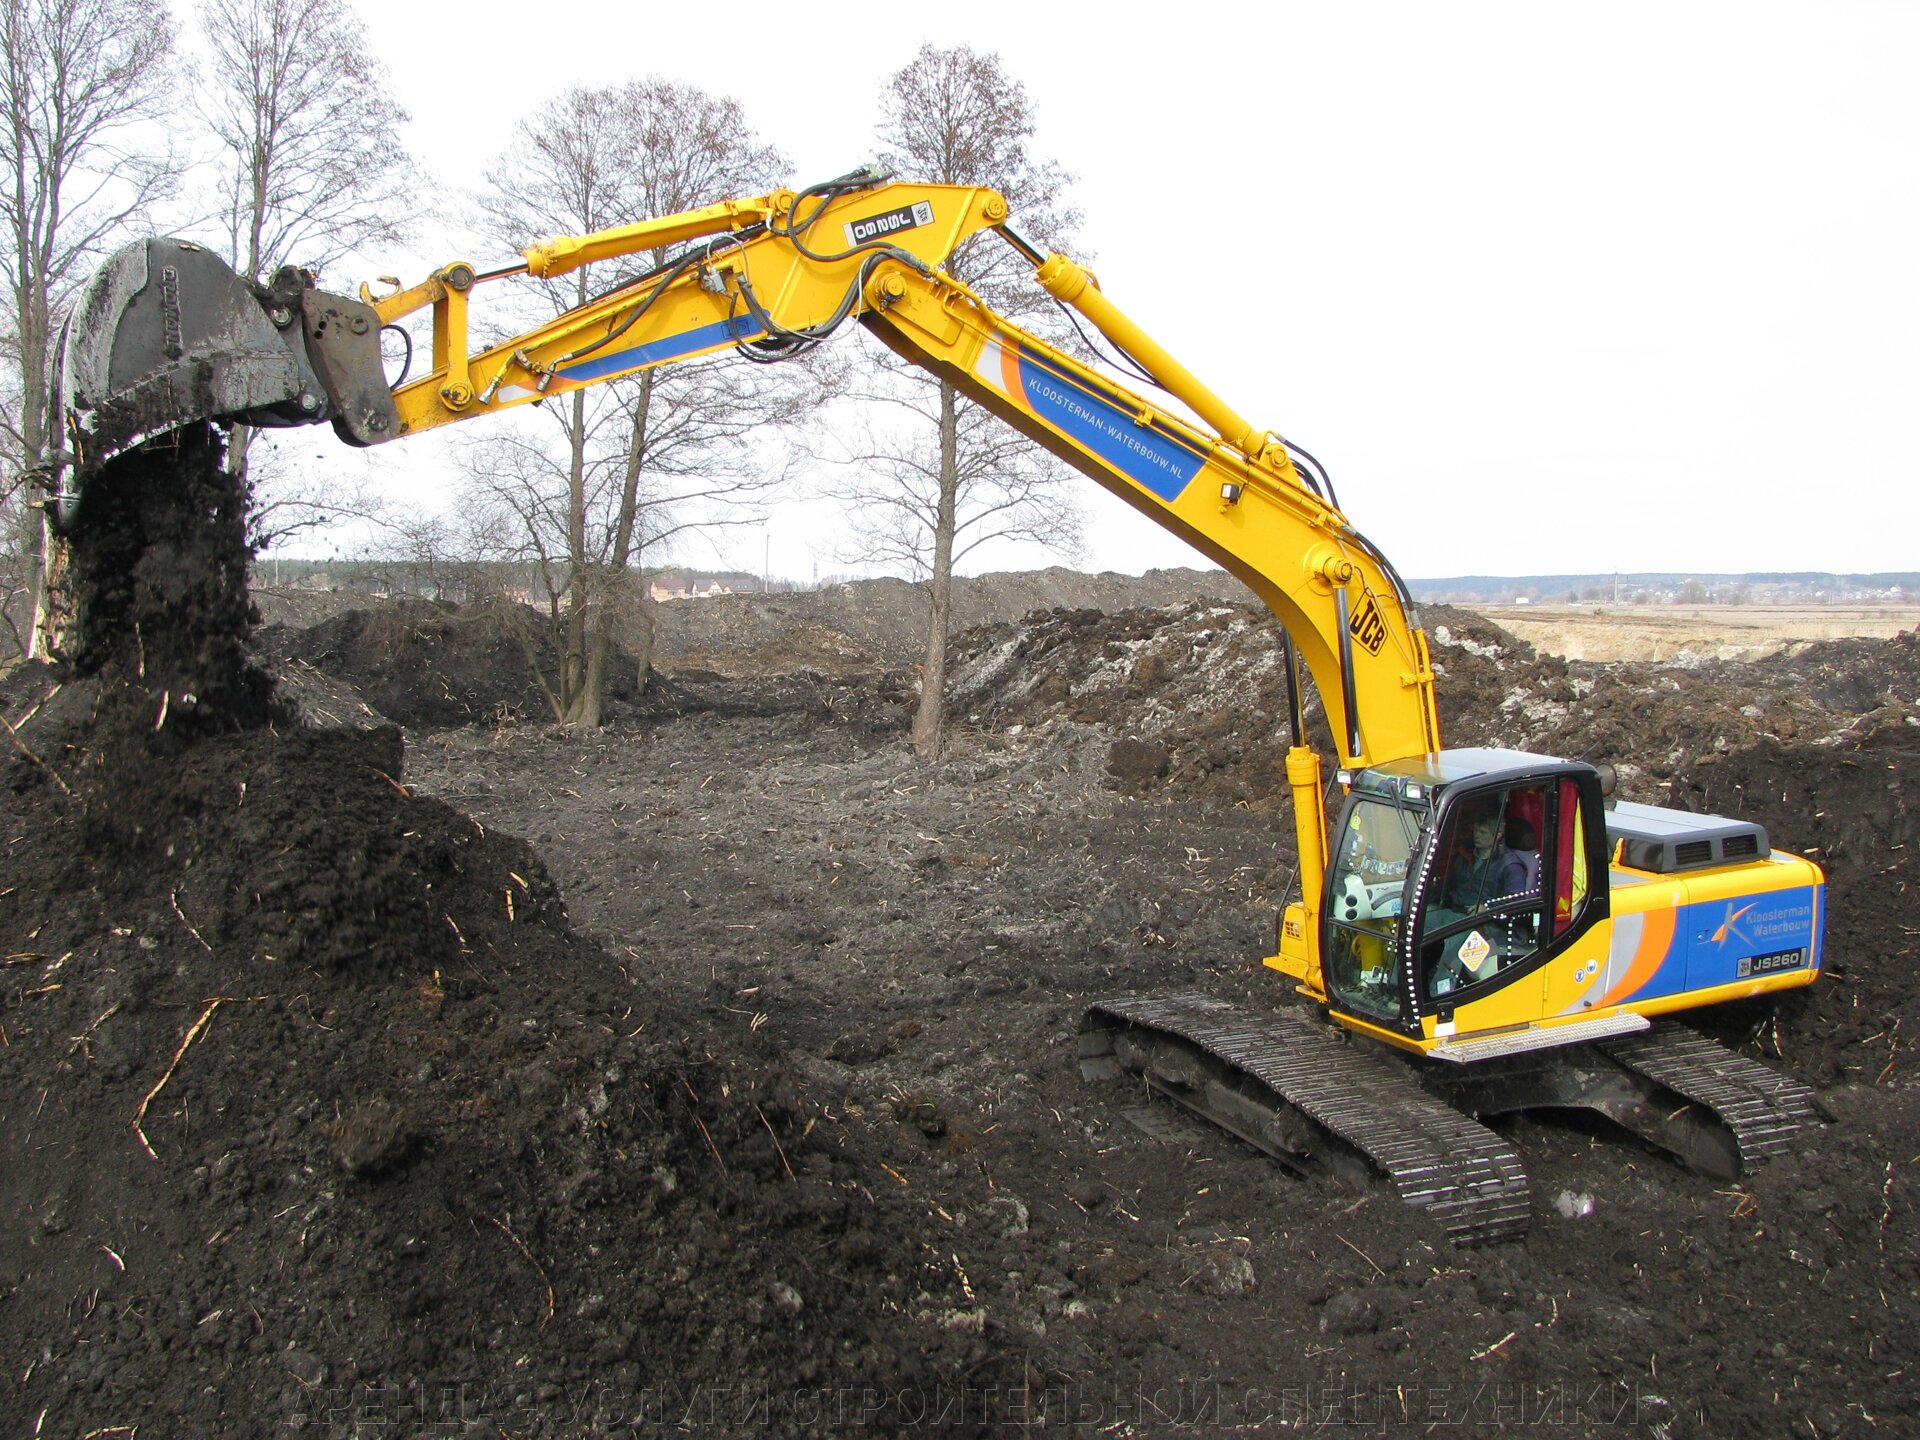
<point x="316" y="1108"/>
<point x="310" y="1086"/>
<point x="1197" y="692"/>
<point x="427" y="665"/>
<point x="423" y="664"/>
<point x="887" y="619"/>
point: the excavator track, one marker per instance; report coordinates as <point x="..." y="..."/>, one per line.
<point x="1763" y="1111"/>
<point x="1287" y="1085"/>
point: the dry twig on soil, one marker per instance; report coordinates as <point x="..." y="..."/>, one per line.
<point x="1886" y="1206"/>
<point x="34" y="759"/>
<point x="1483" y="1354"/>
<point x="193" y="1033"/>
<point x="1362" y="1254"/>
<point x="778" y="1149"/>
<point x="17" y="724"/>
<point x="693" y="1098"/>
<point x="533" y="1262"/>
<point x="173" y="899"/>
<point x="401" y="790"/>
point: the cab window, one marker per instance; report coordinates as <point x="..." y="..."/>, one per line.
<point x="1365" y="891"/>
<point x="1487" y="895"/>
<point x="1570" y="888"/>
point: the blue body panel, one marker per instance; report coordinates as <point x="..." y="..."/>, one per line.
<point x="1152" y="459"/>
<point x="1728" y="941"/>
<point x="674" y="347"/>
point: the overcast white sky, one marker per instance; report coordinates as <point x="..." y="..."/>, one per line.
<point x="1548" y="287"/>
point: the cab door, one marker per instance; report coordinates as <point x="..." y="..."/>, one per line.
<point x="1495" y="909"/>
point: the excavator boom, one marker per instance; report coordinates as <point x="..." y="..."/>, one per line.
<point x="167" y="334"/>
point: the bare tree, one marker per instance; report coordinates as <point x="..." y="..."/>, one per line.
<point x="904" y="486"/>
<point x="84" y="88"/>
<point x="19" y="530"/>
<point x="312" y="170"/>
<point x="630" y="465"/>
<point x="955" y="116"/>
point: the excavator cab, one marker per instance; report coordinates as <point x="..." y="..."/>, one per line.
<point x="1457" y="877"/>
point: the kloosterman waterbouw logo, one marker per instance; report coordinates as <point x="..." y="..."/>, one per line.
<point x="890" y="222"/>
<point x="1759" y="921"/>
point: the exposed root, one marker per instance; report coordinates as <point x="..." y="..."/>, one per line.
<point x="193" y="1033"/>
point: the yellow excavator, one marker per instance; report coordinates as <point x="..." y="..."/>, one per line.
<point x="1492" y="914"/>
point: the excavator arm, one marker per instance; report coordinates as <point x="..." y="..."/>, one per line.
<point x="1242" y="502"/>
<point x="166" y="335"/>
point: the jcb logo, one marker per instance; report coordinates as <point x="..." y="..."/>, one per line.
<point x="1367" y="627"/>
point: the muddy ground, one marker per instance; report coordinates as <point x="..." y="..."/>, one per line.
<point x="713" y="1072"/>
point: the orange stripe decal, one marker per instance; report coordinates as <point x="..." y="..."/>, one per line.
<point x="1656" y="939"/>
<point x="1010" y="371"/>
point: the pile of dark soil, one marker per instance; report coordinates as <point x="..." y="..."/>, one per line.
<point x="1196" y="690"/>
<point x="886" y="620"/>
<point x="315" y="1109"/>
<point x="154" y="595"/>
<point x="422" y="664"/>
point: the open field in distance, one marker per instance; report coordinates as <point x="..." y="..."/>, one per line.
<point x="1720" y="632"/>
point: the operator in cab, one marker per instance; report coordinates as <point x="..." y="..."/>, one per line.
<point x="1488" y="871"/>
<point x="1485" y="871"/>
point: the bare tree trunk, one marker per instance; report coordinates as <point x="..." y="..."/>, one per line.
<point x="611" y="596"/>
<point x="53" y="599"/>
<point x="53" y="596"/>
<point x="618" y="600"/>
<point x="590" y="703"/>
<point x="643" y="634"/>
<point x="579" y="709"/>
<point x="929" y="724"/>
<point x="31" y="306"/>
<point x="48" y="566"/>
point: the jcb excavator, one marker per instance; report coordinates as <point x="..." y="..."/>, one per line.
<point x="1489" y="913"/>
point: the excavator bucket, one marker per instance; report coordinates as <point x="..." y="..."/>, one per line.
<point x="165" y="334"/>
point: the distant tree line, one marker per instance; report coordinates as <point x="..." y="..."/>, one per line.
<point x="461" y="582"/>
